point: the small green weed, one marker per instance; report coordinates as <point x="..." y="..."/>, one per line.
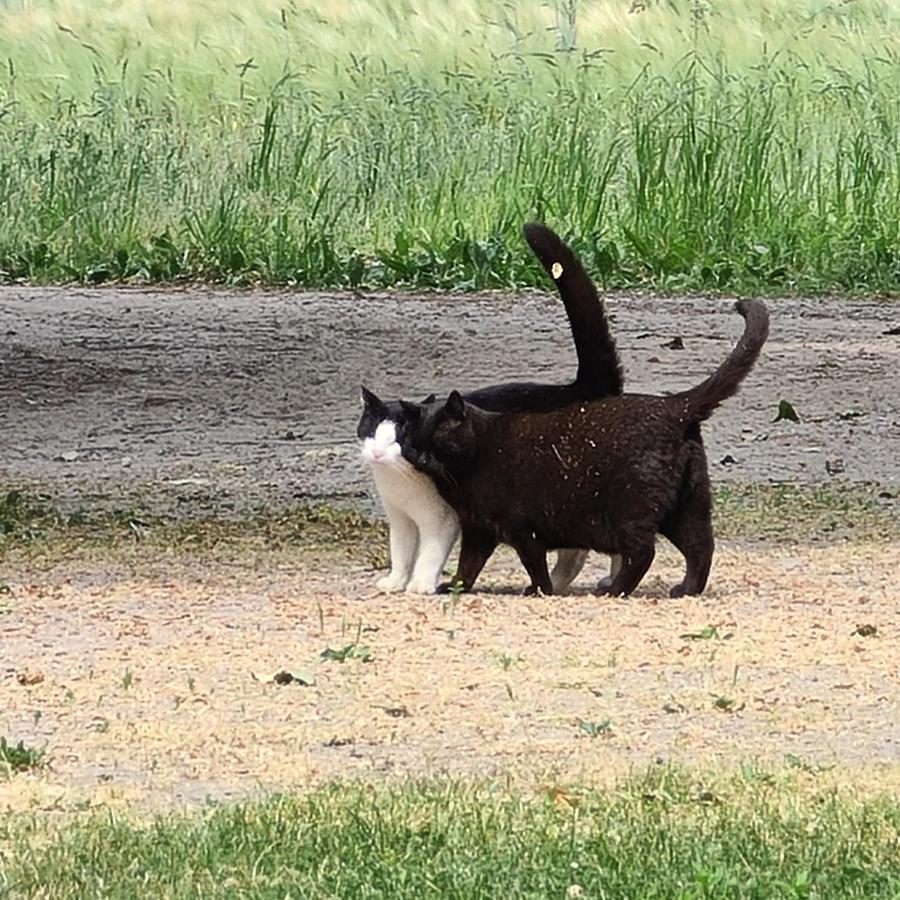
<point x="19" y="758"/>
<point x="810" y="768"/>
<point x="709" y="633"/>
<point x="594" y="729"/>
<point x="786" y="412"/>
<point x="360" y="652"/>
<point x="20" y="514"/>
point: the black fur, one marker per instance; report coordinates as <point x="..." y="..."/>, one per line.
<point x="599" y="369"/>
<point x="605" y="475"/>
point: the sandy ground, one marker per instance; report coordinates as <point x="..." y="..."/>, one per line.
<point x="199" y="398"/>
<point x="150" y="682"/>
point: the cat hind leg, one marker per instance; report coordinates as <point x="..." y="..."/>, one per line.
<point x="568" y="564"/>
<point x="615" y="565"/>
<point x="694" y="538"/>
<point x="533" y="556"/>
<point x="689" y="528"/>
<point x="634" y="565"/>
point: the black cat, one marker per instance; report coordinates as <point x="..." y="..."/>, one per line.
<point x="423" y="528"/>
<point x="605" y="475"/>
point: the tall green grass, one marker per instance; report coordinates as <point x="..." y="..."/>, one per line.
<point x="685" y="145"/>
<point x="663" y="836"/>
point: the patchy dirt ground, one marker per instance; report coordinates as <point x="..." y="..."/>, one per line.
<point x="198" y="398"/>
<point x="149" y="681"/>
<point x="147" y="677"/>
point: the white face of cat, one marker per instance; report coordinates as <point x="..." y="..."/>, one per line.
<point x="383" y="447"/>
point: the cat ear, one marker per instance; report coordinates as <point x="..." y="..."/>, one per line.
<point x="429" y="399"/>
<point x="370" y="401"/>
<point x="455" y="406"/>
<point x="411" y="410"/>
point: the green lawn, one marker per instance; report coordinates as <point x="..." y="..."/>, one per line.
<point x="681" y="145"/>
<point x="661" y="835"/>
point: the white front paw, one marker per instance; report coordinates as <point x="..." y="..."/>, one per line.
<point x="422" y="586"/>
<point x="391" y="584"/>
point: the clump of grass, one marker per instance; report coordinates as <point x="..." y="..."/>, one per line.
<point x="684" y="145"/>
<point x="807" y="513"/>
<point x="18" y="512"/>
<point x="348" y="651"/>
<point x="665" y="834"/>
<point x="766" y="513"/>
<point x="38" y="526"/>
<point x="19" y="757"/>
<point x="27" y="516"/>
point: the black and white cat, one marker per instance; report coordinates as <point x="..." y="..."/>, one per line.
<point x="423" y="526"/>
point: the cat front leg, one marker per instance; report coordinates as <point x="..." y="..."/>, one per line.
<point x="533" y="555"/>
<point x="404" y="538"/>
<point x="475" y="550"/>
<point x="436" y="540"/>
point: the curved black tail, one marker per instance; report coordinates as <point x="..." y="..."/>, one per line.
<point x="700" y="401"/>
<point x="599" y="368"/>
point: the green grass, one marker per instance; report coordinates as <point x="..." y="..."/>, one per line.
<point x="661" y="836"/>
<point x="807" y="513"/>
<point x="18" y="758"/>
<point x="681" y="145"/>
<point x="32" y="525"/>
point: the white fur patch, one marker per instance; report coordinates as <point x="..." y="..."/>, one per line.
<point x="382" y="447"/>
<point x="556" y="271"/>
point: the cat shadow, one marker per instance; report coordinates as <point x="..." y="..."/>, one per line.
<point x="656" y="589"/>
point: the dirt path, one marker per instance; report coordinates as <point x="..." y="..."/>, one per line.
<point x="148" y="681"/>
<point x="232" y="398"/>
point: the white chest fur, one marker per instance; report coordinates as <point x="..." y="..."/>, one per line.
<point x="423" y="526"/>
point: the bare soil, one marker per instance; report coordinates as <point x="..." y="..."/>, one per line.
<point x="147" y="674"/>
<point x="211" y="398"/>
<point x="150" y="682"/>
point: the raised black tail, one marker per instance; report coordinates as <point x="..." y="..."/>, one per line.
<point x="700" y="401"/>
<point x="599" y="368"/>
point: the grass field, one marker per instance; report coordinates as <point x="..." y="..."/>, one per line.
<point x="697" y="145"/>
<point x="662" y="835"/>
